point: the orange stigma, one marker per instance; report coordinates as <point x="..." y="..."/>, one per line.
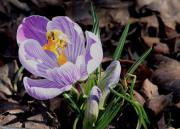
<point x="57" y="42"/>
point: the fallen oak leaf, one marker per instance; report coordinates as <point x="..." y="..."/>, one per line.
<point x="149" y="90"/>
<point x="170" y="128"/>
<point x="5" y="119"/>
<point x="139" y="97"/>
<point x="159" y="103"/>
<point x="10" y="107"/>
<point x="168" y="9"/>
<point x="167" y="75"/>
<point x="171" y="33"/>
<point x="159" y="46"/>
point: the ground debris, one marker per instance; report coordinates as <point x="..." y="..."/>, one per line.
<point x="167" y="75"/>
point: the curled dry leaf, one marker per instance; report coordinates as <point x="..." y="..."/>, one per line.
<point x="161" y="122"/>
<point x="159" y="103"/>
<point x="20" y="5"/>
<point x="142" y="3"/>
<point x="119" y="15"/>
<point x="5" y="90"/>
<point x="37" y="122"/>
<point x="107" y="12"/>
<point x="55" y="103"/>
<point x="167" y="75"/>
<point x="171" y="33"/>
<point x="44" y="3"/>
<point x="6" y="75"/>
<point x="150" y="21"/>
<point x="159" y="48"/>
<point x="169" y="10"/>
<point x="11" y="107"/>
<point x="10" y="121"/>
<point x="112" y="3"/>
<point x="178" y="104"/>
<point x="177" y="45"/>
<point x="139" y="97"/>
<point x="170" y="128"/>
<point x="149" y="90"/>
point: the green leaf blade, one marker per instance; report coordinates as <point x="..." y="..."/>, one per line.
<point x="121" y="43"/>
<point x="139" y="61"/>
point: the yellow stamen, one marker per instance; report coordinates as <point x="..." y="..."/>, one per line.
<point x="62" y="59"/>
<point x="57" y="42"/>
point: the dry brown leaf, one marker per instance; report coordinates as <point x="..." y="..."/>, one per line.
<point x="159" y="48"/>
<point x="119" y="15"/>
<point x="139" y="97"/>
<point x="171" y="33"/>
<point x="167" y="75"/>
<point x="161" y="122"/>
<point x="55" y="103"/>
<point x="157" y="104"/>
<point x="151" y="21"/>
<point x="178" y="104"/>
<point x="112" y="3"/>
<point x="149" y="90"/>
<point x="170" y="128"/>
<point x="142" y="3"/>
<point x="10" y="107"/>
<point x="79" y="11"/>
<point x="44" y="3"/>
<point x="6" y="75"/>
<point x="5" y="90"/>
<point x="37" y="122"/>
<point x="169" y="10"/>
<point x="20" y="5"/>
<point x="5" y="119"/>
<point x="177" y="45"/>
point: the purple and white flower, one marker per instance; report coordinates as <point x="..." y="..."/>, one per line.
<point x="58" y="52"/>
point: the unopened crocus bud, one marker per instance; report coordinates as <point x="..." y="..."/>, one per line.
<point x="92" y="108"/>
<point x="110" y="78"/>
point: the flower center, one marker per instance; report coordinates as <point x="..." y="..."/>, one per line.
<point x="57" y="42"/>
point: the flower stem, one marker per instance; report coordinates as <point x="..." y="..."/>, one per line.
<point x="17" y="78"/>
<point x="71" y="101"/>
<point x="142" y="116"/>
<point x="120" y="95"/>
<point x="75" y="122"/>
<point x="75" y="90"/>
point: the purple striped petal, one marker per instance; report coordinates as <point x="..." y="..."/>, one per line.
<point x="65" y="75"/>
<point x="95" y="94"/>
<point x="33" y="27"/>
<point x="81" y="65"/>
<point x="43" y="89"/>
<point x="35" y="59"/>
<point x="73" y="31"/>
<point x="94" y="53"/>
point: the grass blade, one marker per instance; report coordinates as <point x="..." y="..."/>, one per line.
<point x="111" y="111"/>
<point x="121" y="43"/>
<point x="138" y="62"/>
<point x="96" y="31"/>
<point x="95" y="21"/>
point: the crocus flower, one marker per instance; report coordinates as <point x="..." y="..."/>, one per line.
<point x="110" y="78"/>
<point x="92" y="108"/>
<point x="58" y="52"/>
